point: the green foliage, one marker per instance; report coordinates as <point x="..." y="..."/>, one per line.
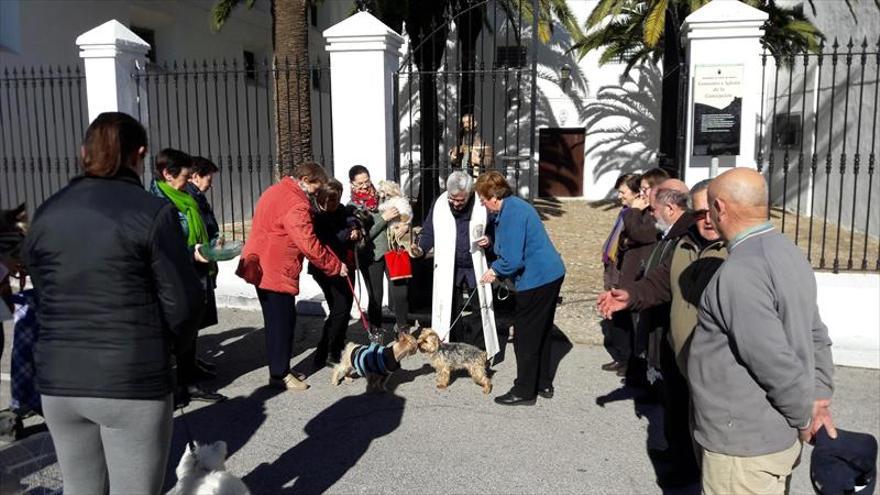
<point x="632" y="31"/>
<point x="223" y="9"/>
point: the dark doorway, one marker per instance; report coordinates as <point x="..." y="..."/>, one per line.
<point x="561" y="162"/>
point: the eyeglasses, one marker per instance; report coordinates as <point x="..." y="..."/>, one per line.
<point x="362" y="185"/>
<point x="701" y="214"/>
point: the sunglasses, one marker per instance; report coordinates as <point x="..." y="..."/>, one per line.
<point x="701" y="214"/>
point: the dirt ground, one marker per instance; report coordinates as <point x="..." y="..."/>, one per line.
<point x="578" y="229"/>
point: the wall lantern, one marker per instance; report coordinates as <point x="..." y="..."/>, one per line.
<point x="565" y="78"/>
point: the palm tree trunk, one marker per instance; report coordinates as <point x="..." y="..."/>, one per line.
<point x="293" y="116"/>
<point x="469" y="25"/>
<point x="427" y="23"/>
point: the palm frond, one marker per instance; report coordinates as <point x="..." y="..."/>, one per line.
<point x="604" y="9"/>
<point x="222" y="10"/>
<point x="655" y="23"/>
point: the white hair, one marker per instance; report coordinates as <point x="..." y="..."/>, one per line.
<point x="459" y="181"/>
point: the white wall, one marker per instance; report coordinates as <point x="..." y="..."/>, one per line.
<point x="849" y="304"/>
<point x="49" y="27"/>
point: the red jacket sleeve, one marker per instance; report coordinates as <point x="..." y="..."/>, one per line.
<point x="298" y="225"/>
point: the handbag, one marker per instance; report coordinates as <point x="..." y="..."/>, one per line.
<point x="399" y="265"/>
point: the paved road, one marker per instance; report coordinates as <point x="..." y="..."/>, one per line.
<point x="418" y="439"/>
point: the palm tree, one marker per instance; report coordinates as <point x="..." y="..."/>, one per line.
<point x="636" y="31"/>
<point x="293" y="115"/>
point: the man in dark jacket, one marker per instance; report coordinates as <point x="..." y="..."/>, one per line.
<point x="669" y="207"/>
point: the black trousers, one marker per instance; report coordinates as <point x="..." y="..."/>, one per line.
<point x="469" y="328"/>
<point x="533" y="321"/>
<point x="618" y="336"/>
<point x="338" y="295"/>
<point x="279" y="318"/>
<point x="675" y="396"/>
<point x="373" y="272"/>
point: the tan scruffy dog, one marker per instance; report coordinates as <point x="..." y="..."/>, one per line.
<point x="446" y="358"/>
<point x="374" y="361"/>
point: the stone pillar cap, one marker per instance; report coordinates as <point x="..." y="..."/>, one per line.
<point x="726" y="11"/>
<point x="361" y="29"/>
<point x="112" y="34"/>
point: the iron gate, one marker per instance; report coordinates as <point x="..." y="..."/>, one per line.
<point x="465" y="99"/>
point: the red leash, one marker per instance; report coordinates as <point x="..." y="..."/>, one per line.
<point x="360" y="310"/>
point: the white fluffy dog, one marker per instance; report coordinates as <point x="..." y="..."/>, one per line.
<point x="204" y="473"/>
<point x="390" y="196"/>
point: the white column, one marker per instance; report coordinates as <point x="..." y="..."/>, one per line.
<point x="111" y="53"/>
<point x="725" y="32"/>
<point x="364" y="55"/>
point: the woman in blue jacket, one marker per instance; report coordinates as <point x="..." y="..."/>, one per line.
<point x="527" y="256"/>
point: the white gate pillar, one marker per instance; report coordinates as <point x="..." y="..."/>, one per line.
<point x="725" y="33"/>
<point x="110" y="53"/>
<point x="364" y="55"/>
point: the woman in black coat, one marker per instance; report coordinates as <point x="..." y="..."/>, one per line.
<point x="117" y="290"/>
<point x="337" y="227"/>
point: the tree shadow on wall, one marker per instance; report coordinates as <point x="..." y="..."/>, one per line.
<point x="623" y="124"/>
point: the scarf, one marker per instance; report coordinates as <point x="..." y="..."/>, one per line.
<point x="365" y="199"/>
<point x="186" y="204"/>
<point x="611" y="248"/>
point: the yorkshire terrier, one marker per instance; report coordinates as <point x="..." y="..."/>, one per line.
<point x="446" y="358"/>
<point x="374" y="362"/>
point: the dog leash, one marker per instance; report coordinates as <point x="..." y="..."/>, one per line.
<point x="372" y="336"/>
<point x="464" y="306"/>
<point x="190" y="440"/>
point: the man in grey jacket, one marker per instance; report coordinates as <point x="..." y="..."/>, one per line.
<point x="760" y="360"/>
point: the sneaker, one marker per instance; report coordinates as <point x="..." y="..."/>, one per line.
<point x="288" y="382"/>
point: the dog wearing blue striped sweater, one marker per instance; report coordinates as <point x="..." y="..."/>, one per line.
<point x="374" y="362"/>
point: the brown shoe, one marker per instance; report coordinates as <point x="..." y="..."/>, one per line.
<point x="613" y="366"/>
<point x="621" y="371"/>
<point x="288" y="382"/>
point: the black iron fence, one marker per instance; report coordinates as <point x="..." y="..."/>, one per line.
<point x="43" y="117"/>
<point x="464" y="100"/>
<point x="227" y="111"/>
<point x="817" y="146"/>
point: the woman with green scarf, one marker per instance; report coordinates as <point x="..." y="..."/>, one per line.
<point x="173" y="170"/>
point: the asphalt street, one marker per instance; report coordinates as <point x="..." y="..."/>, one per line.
<point x="592" y="437"/>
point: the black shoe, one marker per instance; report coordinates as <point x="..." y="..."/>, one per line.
<point x="205" y="395"/>
<point x="206" y="365"/>
<point x="546" y="393"/>
<point x="511" y="399"/>
<point x="613" y="366"/>
<point x="200" y="374"/>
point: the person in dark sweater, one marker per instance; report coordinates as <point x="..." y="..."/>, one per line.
<point x="112" y="304"/>
<point x="618" y="330"/>
<point x="338" y="228"/>
<point x="453" y="231"/>
<point x="201" y="179"/>
<point x="637" y="241"/>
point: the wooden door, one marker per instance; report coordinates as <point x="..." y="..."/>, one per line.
<point x="561" y="162"/>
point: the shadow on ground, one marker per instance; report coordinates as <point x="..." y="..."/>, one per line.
<point x="645" y="405"/>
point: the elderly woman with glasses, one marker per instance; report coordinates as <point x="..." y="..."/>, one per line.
<point x="527" y="256"/>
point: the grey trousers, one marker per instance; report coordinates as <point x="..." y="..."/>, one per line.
<point x="110" y="445"/>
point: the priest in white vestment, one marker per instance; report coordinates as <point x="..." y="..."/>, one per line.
<point x="457" y="229"/>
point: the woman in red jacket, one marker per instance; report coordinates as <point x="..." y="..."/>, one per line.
<point x="283" y="235"/>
